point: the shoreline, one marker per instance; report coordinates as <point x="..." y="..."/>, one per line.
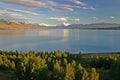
<point x="91" y="53"/>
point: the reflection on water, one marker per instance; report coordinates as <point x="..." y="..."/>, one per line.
<point x="8" y="32"/>
<point x="61" y="39"/>
<point x="77" y="36"/>
<point x="65" y="34"/>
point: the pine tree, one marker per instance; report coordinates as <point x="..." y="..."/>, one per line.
<point x="94" y="75"/>
<point x="12" y="65"/>
<point x="81" y="73"/>
<point x="85" y="75"/>
<point x="70" y="72"/>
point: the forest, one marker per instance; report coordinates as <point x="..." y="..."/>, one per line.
<point x="58" y="65"/>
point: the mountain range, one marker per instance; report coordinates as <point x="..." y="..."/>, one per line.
<point x="92" y="26"/>
<point x="16" y="25"/>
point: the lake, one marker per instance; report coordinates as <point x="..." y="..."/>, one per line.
<point x="72" y="40"/>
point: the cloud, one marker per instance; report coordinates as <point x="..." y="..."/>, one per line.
<point x="67" y="7"/>
<point x="95" y="18"/>
<point x="51" y="4"/>
<point x="27" y="3"/>
<point x="81" y="5"/>
<point x="78" y="2"/>
<point x="54" y="5"/>
<point x="76" y="19"/>
<point x="63" y="19"/>
<point x="20" y="11"/>
<point x="45" y="24"/>
<point x="66" y="24"/>
<point x="2" y="13"/>
<point x="6" y="15"/>
<point x="15" y="15"/>
<point x="112" y="17"/>
<point x="90" y="7"/>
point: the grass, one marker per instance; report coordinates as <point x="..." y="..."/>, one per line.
<point x="90" y="55"/>
<point x="104" y="74"/>
<point x="6" y="75"/>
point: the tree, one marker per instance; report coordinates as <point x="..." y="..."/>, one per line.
<point x="94" y="75"/>
<point x="29" y="68"/>
<point x="81" y="73"/>
<point x="115" y="69"/>
<point x="12" y="65"/>
<point x="57" y="72"/>
<point x="70" y="72"/>
<point x="58" y="54"/>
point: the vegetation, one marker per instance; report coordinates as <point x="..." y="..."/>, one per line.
<point x="58" y="66"/>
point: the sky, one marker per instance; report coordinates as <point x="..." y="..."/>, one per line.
<point x="57" y="12"/>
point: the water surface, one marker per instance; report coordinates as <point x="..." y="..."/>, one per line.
<point x="72" y="40"/>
